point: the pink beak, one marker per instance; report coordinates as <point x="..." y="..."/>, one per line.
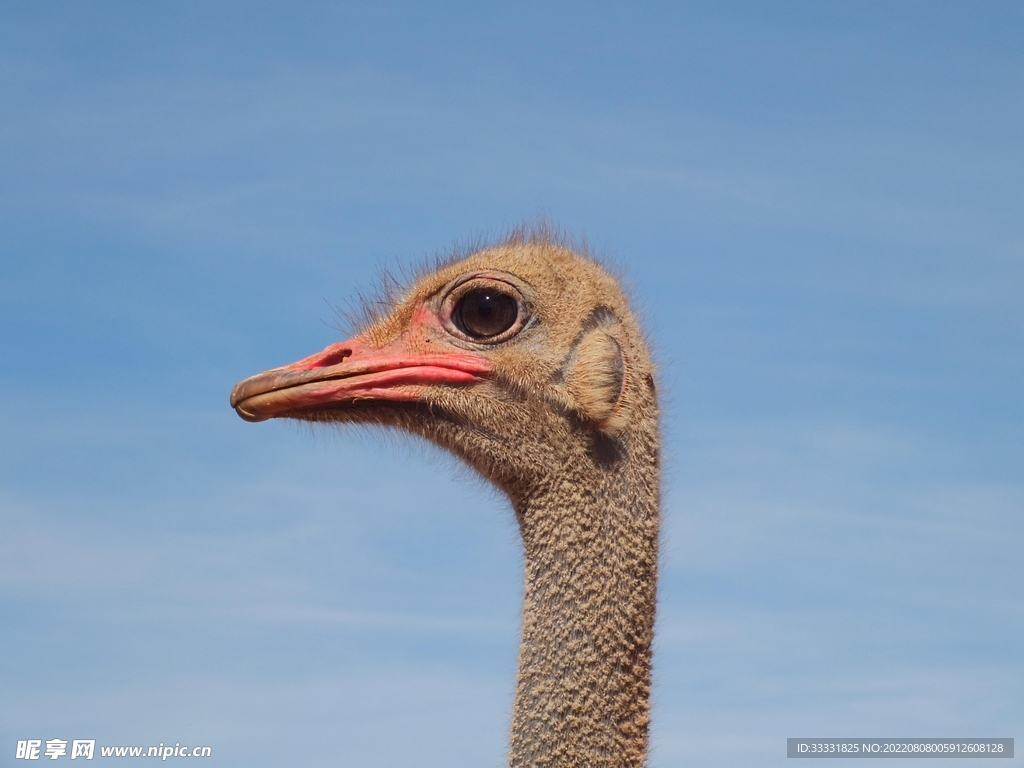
<point x="348" y="372"/>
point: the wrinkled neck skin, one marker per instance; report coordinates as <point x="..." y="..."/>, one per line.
<point x="590" y="542"/>
<point x="587" y="506"/>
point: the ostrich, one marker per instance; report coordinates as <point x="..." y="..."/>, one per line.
<point x="524" y="360"/>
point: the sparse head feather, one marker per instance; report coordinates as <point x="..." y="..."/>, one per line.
<point x="581" y="346"/>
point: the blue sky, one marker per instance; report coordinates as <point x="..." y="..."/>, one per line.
<point x="818" y="210"/>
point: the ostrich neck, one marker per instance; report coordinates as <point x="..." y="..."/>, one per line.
<point x="583" y="689"/>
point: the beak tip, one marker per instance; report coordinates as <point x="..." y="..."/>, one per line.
<point x="238" y="396"/>
<point x="235" y="399"/>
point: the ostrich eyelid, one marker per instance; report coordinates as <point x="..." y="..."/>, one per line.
<point x="465" y="285"/>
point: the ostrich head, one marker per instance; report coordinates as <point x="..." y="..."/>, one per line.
<point x="517" y="359"/>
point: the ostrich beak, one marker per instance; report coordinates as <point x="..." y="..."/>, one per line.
<point x="348" y="372"/>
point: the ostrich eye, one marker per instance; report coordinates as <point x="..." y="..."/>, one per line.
<point x="485" y="312"/>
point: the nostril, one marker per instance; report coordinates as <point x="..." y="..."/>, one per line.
<point x="332" y="358"/>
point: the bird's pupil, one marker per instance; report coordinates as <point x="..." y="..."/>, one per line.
<point x="484" y="312"/>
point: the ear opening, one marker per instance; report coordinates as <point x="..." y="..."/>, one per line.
<point x="597" y="382"/>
